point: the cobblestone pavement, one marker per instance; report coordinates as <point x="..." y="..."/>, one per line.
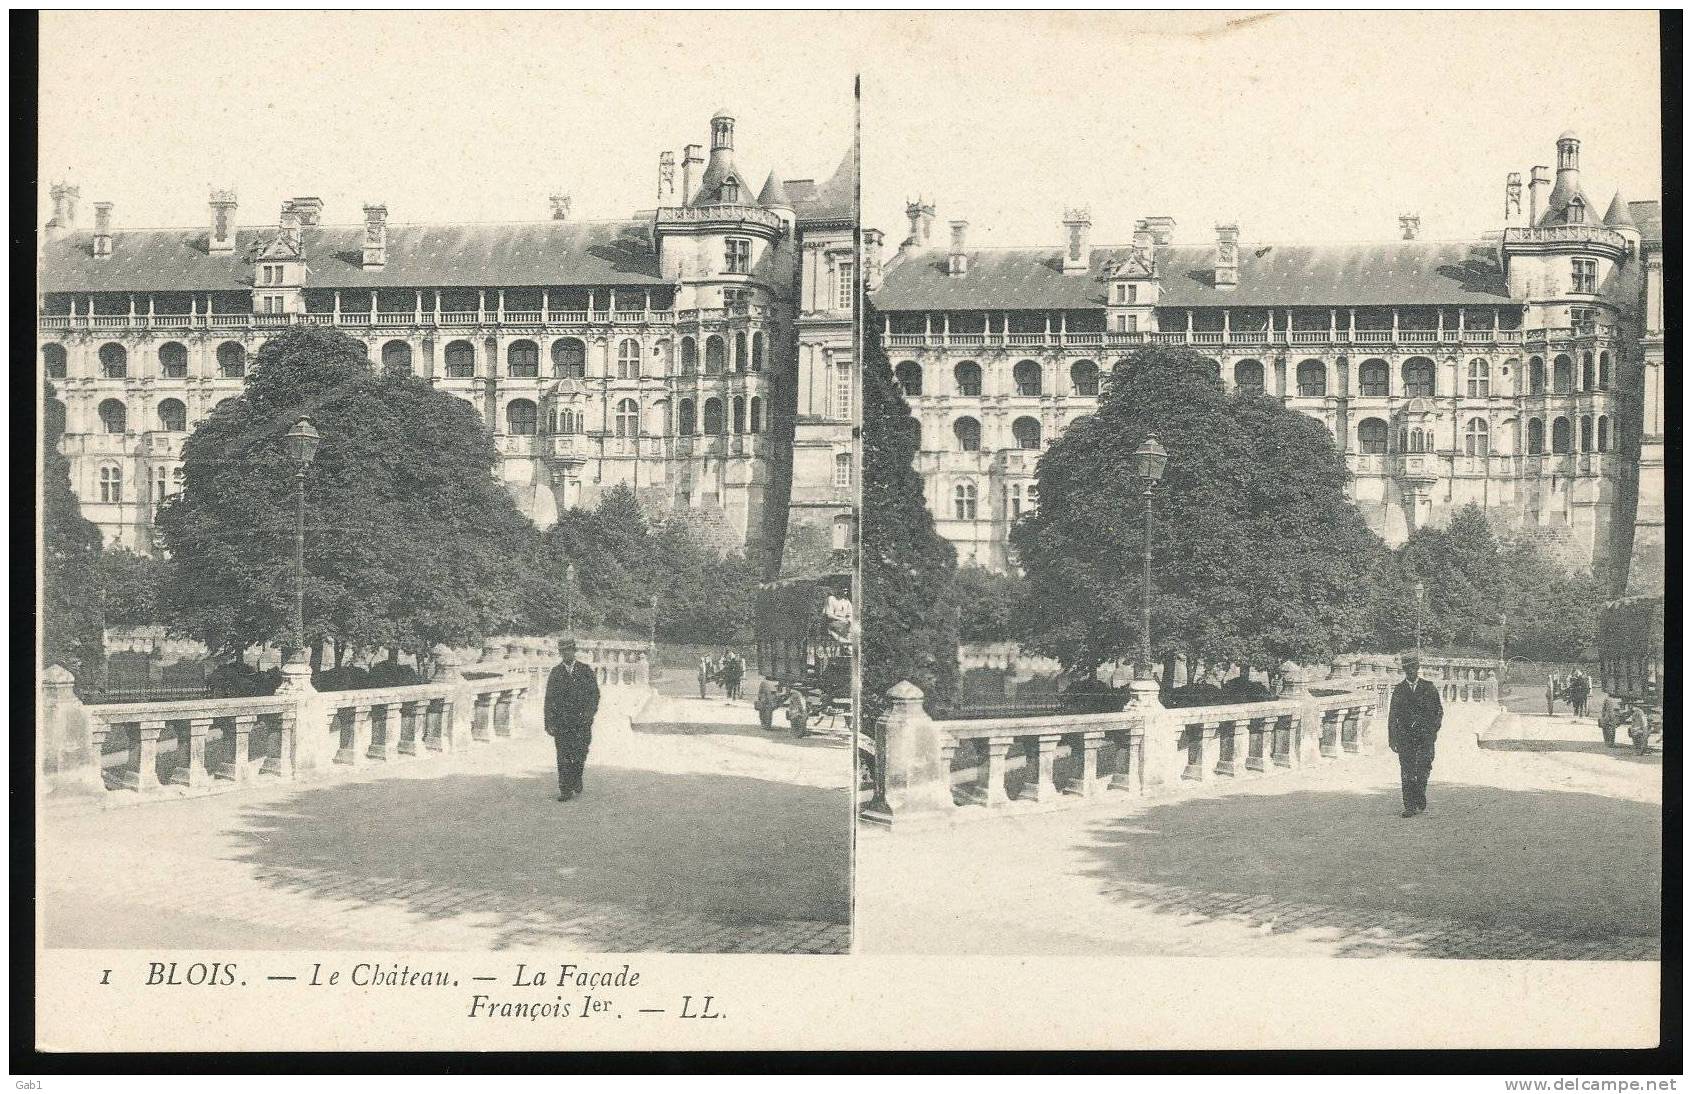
<point x="1523" y="854"/>
<point x="731" y="841"/>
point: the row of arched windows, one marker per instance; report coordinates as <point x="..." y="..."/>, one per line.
<point x="1418" y="377"/>
<point x="1025" y="433"/>
<point x="744" y="417"/>
<point x="1372" y="437"/>
<point x="170" y="416"/>
<point x="172" y="360"/>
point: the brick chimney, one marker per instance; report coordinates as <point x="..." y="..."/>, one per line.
<point x="1162" y="230"/>
<point x="1410" y="225"/>
<point x="1227" y="256"/>
<point x="957" y="263"/>
<point x="310" y="211"/>
<point x="221" y="239"/>
<point x="1144" y="240"/>
<point x="375" y="237"/>
<point x="102" y="229"/>
<point x="64" y="197"/>
<point x="871" y="242"/>
<point x="690" y="159"/>
<point x="290" y="225"/>
<point x="560" y="206"/>
<point x="1078" y="244"/>
<point x="1539" y="186"/>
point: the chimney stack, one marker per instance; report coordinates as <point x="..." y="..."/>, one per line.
<point x="290" y="225"/>
<point x="64" y="197"/>
<point x="1539" y="183"/>
<point x="1078" y="246"/>
<point x="1162" y="230"/>
<point x="1144" y="240"/>
<point x="102" y="229"/>
<point x="690" y="159"/>
<point x="666" y="177"/>
<point x="871" y="242"/>
<point x="375" y="237"/>
<point x="957" y="263"/>
<point x="221" y="240"/>
<point x="560" y="206"/>
<point x="1512" y="199"/>
<point x="310" y="211"/>
<point x="1410" y="225"/>
<point x="1227" y="256"/>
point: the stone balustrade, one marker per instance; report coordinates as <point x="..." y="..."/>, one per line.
<point x="929" y="771"/>
<point x="1460" y="679"/>
<point x="297" y="733"/>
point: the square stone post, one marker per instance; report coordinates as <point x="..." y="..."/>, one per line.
<point x="1197" y="747"/>
<point x="143" y="773"/>
<point x="991" y="790"/>
<point x="913" y="779"/>
<point x="1230" y="757"/>
<point x="413" y="723"/>
<point x="1285" y="752"/>
<point x="1127" y="760"/>
<point x="502" y="712"/>
<point x="1041" y="785"/>
<point x="1162" y="761"/>
<point x="281" y="762"/>
<point x="190" y="767"/>
<point x="69" y="744"/>
<point x="309" y="744"/>
<point x="350" y="725"/>
<point x="481" y="723"/>
<point x="238" y="767"/>
<point x="384" y="728"/>
<point x="457" y="714"/>
<point x="1087" y="784"/>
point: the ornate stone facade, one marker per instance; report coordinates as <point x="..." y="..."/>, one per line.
<point x="1505" y="371"/>
<point x="656" y="351"/>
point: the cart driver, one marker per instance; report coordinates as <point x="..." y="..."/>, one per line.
<point x="837" y="615"/>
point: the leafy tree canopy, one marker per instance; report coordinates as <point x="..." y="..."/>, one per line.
<point x="70" y="564"/>
<point x="410" y="538"/>
<point x="1258" y="555"/>
<point x="909" y="571"/>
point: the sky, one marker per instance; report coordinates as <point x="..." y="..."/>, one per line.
<point x="1303" y="126"/>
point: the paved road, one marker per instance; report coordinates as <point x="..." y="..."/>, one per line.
<point x="722" y="841"/>
<point x="1523" y="854"/>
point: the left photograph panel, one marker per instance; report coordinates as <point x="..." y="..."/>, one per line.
<point x="446" y="488"/>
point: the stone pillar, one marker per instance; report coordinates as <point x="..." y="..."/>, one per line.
<point x="1162" y="760"/>
<point x="311" y="746"/>
<point x="384" y="731"/>
<point x="1087" y="745"/>
<point x="913" y="781"/>
<point x="1040" y="785"/>
<point x="190" y="769"/>
<point x="413" y="724"/>
<point x="67" y="754"/>
<point x="238" y="766"/>
<point x="458" y="708"/>
<point x="143" y="772"/>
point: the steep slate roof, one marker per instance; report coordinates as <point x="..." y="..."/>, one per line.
<point x="549" y="252"/>
<point x="1648" y="218"/>
<point x="834" y="200"/>
<point x="1336" y="275"/>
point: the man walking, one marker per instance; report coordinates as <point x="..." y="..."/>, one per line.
<point x="1580" y="685"/>
<point x="572" y="700"/>
<point x="1412" y="725"/>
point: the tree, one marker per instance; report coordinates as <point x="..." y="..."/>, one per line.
<point x="910" y="626"/>
<point x="71" y="623"/>
<point x="133" y="585"/>
<point x="411" y="540"/>
<point x="1258" y="555"/>
<point x="990" y="605"/>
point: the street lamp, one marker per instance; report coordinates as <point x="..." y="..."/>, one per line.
<point x="1421" y="594"/>
<point x="569" y="598"/>
<point x="1149" y="461"/>
<point x="301" y="445"/>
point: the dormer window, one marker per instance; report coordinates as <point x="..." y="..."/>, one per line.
<point x="729" y="194"/>
<point x="1577" y="212"/>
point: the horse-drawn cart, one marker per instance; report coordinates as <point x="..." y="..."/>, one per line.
<point x="805" y="657"/>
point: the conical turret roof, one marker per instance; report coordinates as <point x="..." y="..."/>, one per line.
<point x="1618" y="216"/>
<point x="774" y="195"/>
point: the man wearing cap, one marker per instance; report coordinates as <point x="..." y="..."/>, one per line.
<point x="572" y="700"/>
<point x="1412" y="725"/>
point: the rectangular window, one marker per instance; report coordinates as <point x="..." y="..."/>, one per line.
<point x="1585" y="275"/>
<point x="264" y="272"/>
<point x="737" y="256"/>
<point x="1583" y="319"/>
<point x="844" y="285"/>
<point x="1130" y="293"/>
<point x="1130" y="324"/>
<point x="735" y="298"/>
<point x="843" y="392"/>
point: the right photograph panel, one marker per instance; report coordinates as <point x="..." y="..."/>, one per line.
<point x="1263" y="491"/>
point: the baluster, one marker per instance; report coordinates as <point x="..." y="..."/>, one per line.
<point x="1039" y="782"/>
<point x="481" y="717"/>
<point x="98" y="732"/>
<point x="351" y="722"/>
<point x="1331" y="732"/>
<point x="1353" y="717"/>
<point x="409" y="728"/>
<point x="143" y="773"/>
<point x="1125" y="764"/>
<point x="1193" y="740"/>
<point x="382" y="732"/>
<point x="236" y="765"/>
<point x="948" y="753"/>
<point x="1229" y="755"/>
<point x="502" y="713"/>
<point x="1257" y="745"/>
<point x="1086" y="783"/>
<point x="991" y="790"/>
<point x="1285" y="755"/>
<point x="436" y="727"/>
<point x="190" y="769"/>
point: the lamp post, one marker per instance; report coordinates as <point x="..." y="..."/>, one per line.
<point x="1421" y="594"/>
<point x="301" y="445"/>
<point x="654" y="637"/>
<point x="1149" y="461"/>
<point x="570" y="598"/>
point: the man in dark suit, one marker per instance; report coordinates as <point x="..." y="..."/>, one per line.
<point x="572" y="700"/>
<point x="1412" y="725"/>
